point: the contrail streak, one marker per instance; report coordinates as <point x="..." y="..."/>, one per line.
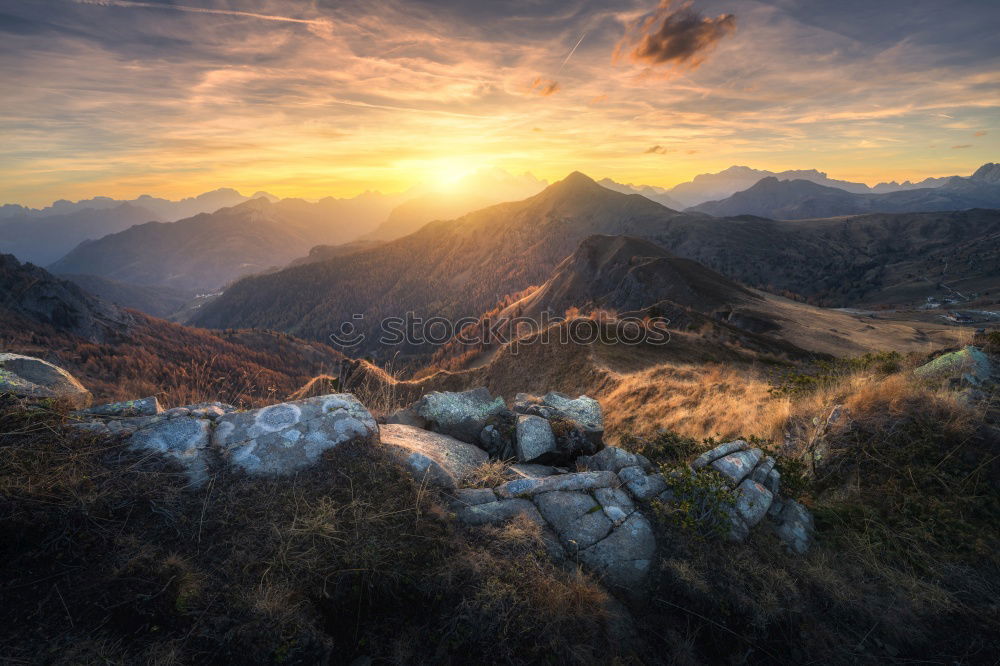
<point x="572" y="51"/>
<point x="324" y="23"/>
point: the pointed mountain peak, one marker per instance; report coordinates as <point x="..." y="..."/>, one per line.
<point x="575" y="183"/>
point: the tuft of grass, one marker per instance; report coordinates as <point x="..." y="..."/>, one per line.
<point x="489" y="475"/>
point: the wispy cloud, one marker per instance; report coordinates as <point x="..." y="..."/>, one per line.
<point x="319" y="26"/>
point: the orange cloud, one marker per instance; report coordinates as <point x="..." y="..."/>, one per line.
<point x="658" y="150"/>
<point x="680" y="36"/>
<point x="981" y="133"/>
<point x="545" y="87"/>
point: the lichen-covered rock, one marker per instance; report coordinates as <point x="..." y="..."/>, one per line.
<point x="968" y="365"/>
<point x="185" y="440"/>
<point x="719" y="451"/>
<point x="737" y="466"/>
<point x="431" y="457"/>
<point x="144" y="407"/>
<point x="284" y="438"/>
<point x="535" y="441"/>
<point x="459" y="415"/>
<point x="30" y="377"/>
<point x="575" y="481"/>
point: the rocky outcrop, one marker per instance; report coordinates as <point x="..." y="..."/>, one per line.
<point x="276" y="440"/>
<point x="756" y="487"/>
<point x="29" y="377"/>
<point x="595" y="514"/>
<point x="576" y="426"/>
<point x="549" y="430"/>
<point x="968" y="366"/>
<point x="290" y="436"/>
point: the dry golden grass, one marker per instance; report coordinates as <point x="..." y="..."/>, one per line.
<point x="490" y="474"/>
<point x="698" y="401"/>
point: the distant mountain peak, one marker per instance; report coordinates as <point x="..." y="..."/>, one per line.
<point x="988" y="173"/>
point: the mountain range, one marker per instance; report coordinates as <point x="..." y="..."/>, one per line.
<point x="204" y="252"/>
<point x="803" y="199"/>
<point x="43" y="236"/>
<point x="462" y="267"/>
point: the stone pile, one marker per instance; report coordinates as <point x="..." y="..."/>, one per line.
<point x="549" y="430"/>
<point x="590" y="501"/>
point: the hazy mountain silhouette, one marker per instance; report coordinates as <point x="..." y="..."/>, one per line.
<point x="800" y="199"/>
<point x="42" y="240"/>
<point x="206" y="251"/>
<point x="715" y="186"/>
<point x="658" y="194"/>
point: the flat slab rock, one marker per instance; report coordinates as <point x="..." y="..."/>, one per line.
<point x="127" y="408"/>
<point x="432" y="457"/>
<point x="30" y="377"/>
<point x="290" y="436"/>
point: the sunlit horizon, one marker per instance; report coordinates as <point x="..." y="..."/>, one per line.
<point x="306" y="99"/>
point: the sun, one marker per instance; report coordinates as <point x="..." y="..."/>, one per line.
<point x="449" y="173"/>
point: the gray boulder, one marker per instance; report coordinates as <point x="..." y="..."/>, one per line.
<point x="284" y="438"/>
<point x="624" y="557"/>
<point x="576" y="517"/>
<point x="968" y="365"/>
<point x="535" y="441"/>
<point x="184" y="440"/>
<point x="752" y="501"/>
<point x="432" y="457"/>
<point x="459" y="415"/>
<point x="129" y="408"/>
<point x="30" y="377"/>
<point x="737" y="466"/>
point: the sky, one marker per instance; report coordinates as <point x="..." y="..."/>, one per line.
<point x="321" y="97"/>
